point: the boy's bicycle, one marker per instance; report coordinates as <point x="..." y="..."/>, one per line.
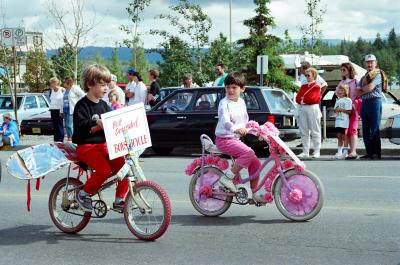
<point x="298" y="193"/>
<point x="147" y="209"/>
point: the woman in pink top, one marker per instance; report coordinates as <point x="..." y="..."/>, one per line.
<point x="349" y="77"/>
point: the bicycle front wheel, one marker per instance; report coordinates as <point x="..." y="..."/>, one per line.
<point x="150" y="222"/>
<point x="64" y="210"/>
<point x="303" y="200"/>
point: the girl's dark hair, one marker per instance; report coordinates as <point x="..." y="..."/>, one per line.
<point x="235" y="78"/>
<point x="139" y="77"/>
<point x="350" y="68"/>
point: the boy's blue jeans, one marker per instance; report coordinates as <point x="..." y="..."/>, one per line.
<point x="371" y="118"/>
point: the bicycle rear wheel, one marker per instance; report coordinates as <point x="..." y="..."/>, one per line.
<point x="64" y="210"/>
<point x="148" y="224"/>
<point x="199" y="187"/>
<point x="306" y="198"/>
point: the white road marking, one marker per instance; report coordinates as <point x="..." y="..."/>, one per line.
<point x="376" y="177"/>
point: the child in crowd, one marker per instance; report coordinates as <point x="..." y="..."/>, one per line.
<point x="232" y="119"/>
<point x="343" y="107"/>
<point x="113" y="98"/>
<point x="89" y="136"/>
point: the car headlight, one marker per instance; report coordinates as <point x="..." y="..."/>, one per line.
<point x="389" y="123"/>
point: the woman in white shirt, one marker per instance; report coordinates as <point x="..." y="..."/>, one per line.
<point x="139" y="91"/>
<point x="71" y="96"/>
<point x="56" y="104"/>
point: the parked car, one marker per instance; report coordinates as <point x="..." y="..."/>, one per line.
<point x="40" y="124"/>
<point x="391" y="129"/>
<point x="28" y="104"/>
<point x="390" y="106"/>
<point x="185" y="114"/>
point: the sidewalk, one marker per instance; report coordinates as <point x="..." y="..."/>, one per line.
<point x="329" y="147"/>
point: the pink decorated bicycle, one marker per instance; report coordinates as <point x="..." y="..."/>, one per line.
<point x="298" y="193"/>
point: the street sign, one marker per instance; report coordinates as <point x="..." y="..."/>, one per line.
<point x="7" y="37"/>
<point x="19" y="37"/>
<point x="262" y="64"/>
<point x="13" y="37"/>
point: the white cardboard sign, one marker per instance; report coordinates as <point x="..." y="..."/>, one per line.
<point x="131" y="118"/>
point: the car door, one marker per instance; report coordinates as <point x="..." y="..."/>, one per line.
<point x="203" y="117"/>
<point x="29" y="108"/>
<point x="43" y="105"/>
<point x="390" y="107"/>
<point x="168" y="121"/>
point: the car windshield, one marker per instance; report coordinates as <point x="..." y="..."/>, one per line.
<point x="178" y="102"/>
<point x="6" y="102"/>
<point x="278" y="101"/>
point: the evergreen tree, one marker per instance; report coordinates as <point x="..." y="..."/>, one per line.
<point x="64" y="62"/>
<point x="288" y="45"/>
<point x="261" y="43"/>
<point x="115" y="66"/>
<point x="378" y="43"/>
<point x="393" y="41"/>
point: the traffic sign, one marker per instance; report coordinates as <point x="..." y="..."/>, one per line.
<point x="13" y="37"/>
<point x="7" y="37"/>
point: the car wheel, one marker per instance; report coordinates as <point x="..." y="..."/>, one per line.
<point x="162" y="151"/>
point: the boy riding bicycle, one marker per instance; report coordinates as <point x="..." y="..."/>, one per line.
<point x="89" y="136"/>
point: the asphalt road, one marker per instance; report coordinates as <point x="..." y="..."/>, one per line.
<point x="359" y="224"/>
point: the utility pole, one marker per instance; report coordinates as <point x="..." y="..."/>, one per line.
<point x="230" y="21"/>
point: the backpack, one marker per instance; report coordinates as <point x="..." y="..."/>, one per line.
<point x="385" y="85"/>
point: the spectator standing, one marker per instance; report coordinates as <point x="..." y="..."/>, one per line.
<point x="153" y="97"/>
<point x="113" y="86"/>
<point x="303" y="79"/>
<point x="343" y="107"/>
<point x="370" y="89"/>
<point x="139" y="92"/>
<point x="130" y="87"/>
<point x="309" y="118"/>
<point x="71" y="96"/>
<point x="56" y="106"/>
<point x="349" y="77"/>
<point x="9" y="131"/>
<point x="221" y="75"/>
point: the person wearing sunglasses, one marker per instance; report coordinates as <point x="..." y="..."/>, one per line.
<point x="9" y="131"/>
<point x="303" y="80"/>
<point x="309" y="119"/>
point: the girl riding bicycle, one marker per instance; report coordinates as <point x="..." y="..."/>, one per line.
<point x="232" y="119"/>
<point x="89" y="136"/>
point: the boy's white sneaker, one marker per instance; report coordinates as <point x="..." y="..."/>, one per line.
<point x="316" y="154"/>
<point x="228" y="183"/>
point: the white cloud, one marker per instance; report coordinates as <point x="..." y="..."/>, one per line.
<point x="343" y="20"/>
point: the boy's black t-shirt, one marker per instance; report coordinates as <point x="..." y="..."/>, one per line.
<point x="86" y="113"/>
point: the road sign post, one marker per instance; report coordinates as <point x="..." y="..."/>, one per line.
<point x="262" y="67"/>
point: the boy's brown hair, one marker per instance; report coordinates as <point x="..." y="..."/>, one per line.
<point x="235" y="78"/>
<point x="94" y="74"/>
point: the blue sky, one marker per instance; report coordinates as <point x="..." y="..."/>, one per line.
<point x="343" y="20"/>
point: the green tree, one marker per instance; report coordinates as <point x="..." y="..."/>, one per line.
<point x="64" y="62"/>
<point x="38" y="70"/>
<point x="311" y="33"/>
<point x="6" y="63"/>
<point x="288" y="45"/>
<point x="220" y="51"/>
<point x="378" y="43"/>
<point x="193" y="24"/>
<point x="115" y="66"/>
<point x="261" y="43"/>
<point x="135" y="11"/>
<point x="176" y="61"/>
<point x="393" y="42"/>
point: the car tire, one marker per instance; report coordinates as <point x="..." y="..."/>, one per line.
<point x="162" y="150"/>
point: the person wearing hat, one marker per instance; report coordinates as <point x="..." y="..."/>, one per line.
<point x="113" y="86"/>
<point x="370" y="90"/>
<point x="9" y="131"/>
<point x="130" y="87"/>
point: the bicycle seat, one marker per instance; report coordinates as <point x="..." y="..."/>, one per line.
<point x="208" y="145"/>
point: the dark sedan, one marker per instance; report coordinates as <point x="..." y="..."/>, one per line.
<point x="39" y="124"/>
<point x="185" y="114"/>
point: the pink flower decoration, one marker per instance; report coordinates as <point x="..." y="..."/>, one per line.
<point x="268" y="197"/>
<point x="296" y="195"/>
<point x="220" y="163"/>
<point x="236" y="180"/>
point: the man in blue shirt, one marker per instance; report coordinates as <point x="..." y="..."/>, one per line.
<point x="370" y="89"/>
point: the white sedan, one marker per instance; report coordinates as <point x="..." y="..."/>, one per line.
<point x="392" y="129"/>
